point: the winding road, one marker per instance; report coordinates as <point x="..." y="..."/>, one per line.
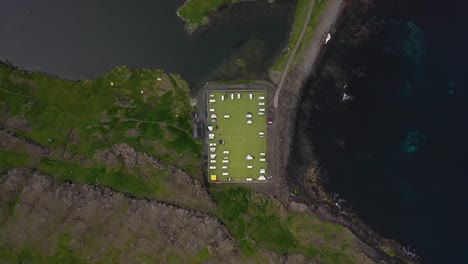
<point x="293" y="54"/>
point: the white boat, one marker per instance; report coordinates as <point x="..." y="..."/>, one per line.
<point x="327" y="38"/>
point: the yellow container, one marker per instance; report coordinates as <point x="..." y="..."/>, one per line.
<point x="213" y="177"/>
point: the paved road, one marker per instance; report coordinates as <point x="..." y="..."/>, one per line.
<point x="293" y="54"/>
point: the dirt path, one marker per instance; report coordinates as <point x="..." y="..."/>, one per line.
<point x="293" y="54"/>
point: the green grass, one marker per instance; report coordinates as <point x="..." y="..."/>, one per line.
<point x="300" y="14"/>
<point x="32" y="255"/>
<point x="100" y="112"/>
<point x="9" y="160"/>
<point x="117" y="178"/>
<point x="203" y="256"/>
<point x="195" y="12"/>
<point x="257" y="221"/>
<point x="55" y="108"/>
<point x="240" y="138"/>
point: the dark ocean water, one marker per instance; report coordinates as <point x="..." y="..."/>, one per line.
<point x="398" y="152"/>
<point x="85" y="39"/>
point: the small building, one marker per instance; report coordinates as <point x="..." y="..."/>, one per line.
<point x="249" y="121"/>
<point x="212" y="109"/>
<point x="262" y="159"/>
<point x="212" y="144"/>
<point x="226" y="116"/>
<point x="262" y="171"/>
<point x="232" y="96"/>
<point x="249" y="157"/>
<point x="212" y="149"/>
<point x="225" y="173"/>
<point x="224" y="167"/>
<point x="210" y="128"/>
<point x="261" y="113"/>
<point x="262" y="110"/>
<point x="214" y="116"/>
<point x="212" y="101"/>
<point x="248" y="115"/>
<point x="249" y="166"/>
<point x="225" y="161"/>
<point x="212" y="161"/>
<point x="261" y="134"/>
<point x="238" y="96"/>
<point x="226" y="152"/>
<point x="262" y="178"/>
<point x="262" y="154"/>
<point x="212" y="167"/>
<point x="211" y="95"/>
<point x="261" y="97"/>
<point x="249" y="179"/>
<point x="250" y="96"/>
<point x="211" y="136"/>
<point x="261" y="103"/>
<point x="213" y="177"/>
<point x="213" y="156"/>
<point x="222" y="97"/>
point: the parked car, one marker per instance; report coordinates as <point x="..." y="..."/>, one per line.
<point x="195" y="116"/>
<point x="270" y="118"/>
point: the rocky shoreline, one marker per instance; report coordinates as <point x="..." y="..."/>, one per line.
<point x="304" y="179"/>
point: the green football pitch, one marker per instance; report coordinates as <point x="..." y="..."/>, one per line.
<point x="237" y="136"/>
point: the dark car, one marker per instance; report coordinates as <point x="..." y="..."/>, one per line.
<point x="195" y="116"/>
<point x="270" y="118"/>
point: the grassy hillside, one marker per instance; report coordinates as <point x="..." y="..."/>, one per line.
<point x="259" y="222"/>
<point x="153" y="103"/>
<point x="124" y="106"/>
